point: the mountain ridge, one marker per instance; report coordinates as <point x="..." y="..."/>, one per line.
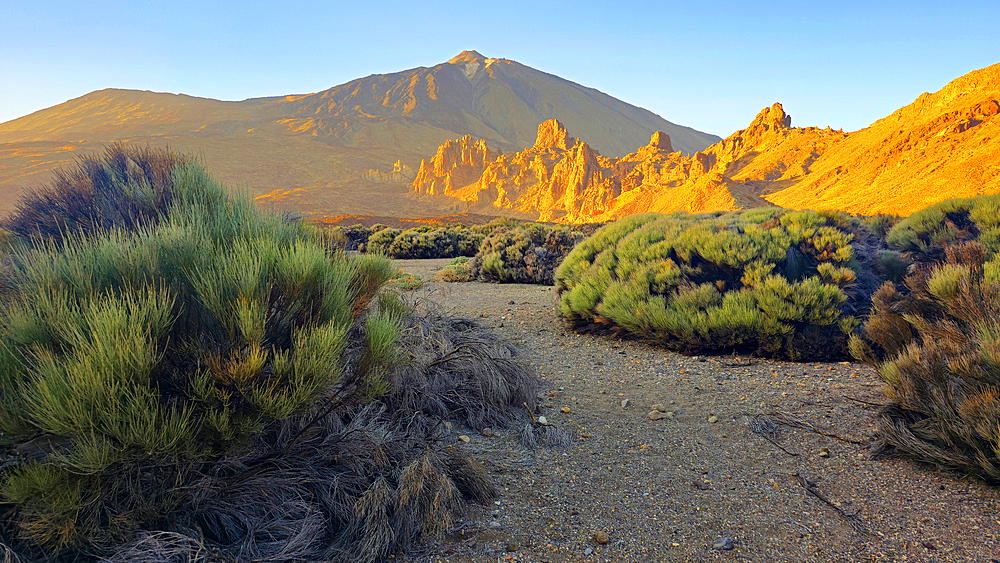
<point x="348" y="149"/>
<point x="943" y="145"/>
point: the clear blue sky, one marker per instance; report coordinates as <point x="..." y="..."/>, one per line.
<point x="709" y="65"/>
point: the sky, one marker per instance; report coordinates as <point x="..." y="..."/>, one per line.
<point x="708" y="65"/>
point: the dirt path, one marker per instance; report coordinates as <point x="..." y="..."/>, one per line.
<point x="670" y="489"/>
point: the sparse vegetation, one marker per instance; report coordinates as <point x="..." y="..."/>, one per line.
<point x="504" y="250"/>
<point x="187" y="380"/>
<point x="775" y="282"/>
<point x="935" y="342"/>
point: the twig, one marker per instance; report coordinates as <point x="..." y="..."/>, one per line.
<point x="735" y="363"/>
<point x="812" y="489"/>
<point x="764" y="427"/>
<point x="805" y="425"/>
<point x="531" y="414"/>
<point x="779" y="446"/>
<point x="863" y="402"/>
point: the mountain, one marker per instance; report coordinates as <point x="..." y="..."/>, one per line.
<point x="351" y="149"/>
<point x="944" y="145"/>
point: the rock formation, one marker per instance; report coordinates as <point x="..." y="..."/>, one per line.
<point x="561" y="178"/>
<point x="943" y="145"/>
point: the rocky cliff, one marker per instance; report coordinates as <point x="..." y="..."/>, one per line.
<point x="562" y="178"/>
<point x="943" y="145"/>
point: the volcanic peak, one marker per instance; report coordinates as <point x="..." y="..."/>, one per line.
<point x="466" y="57"/>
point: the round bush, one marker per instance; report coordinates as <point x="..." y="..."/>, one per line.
<point x="769" y="281"/>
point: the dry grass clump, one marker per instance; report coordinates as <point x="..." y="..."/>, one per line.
<point x="770" y="281"/>
<point x="214" y="383"/>
<point x="459" y="370"/>
<point x="936" y="344"/>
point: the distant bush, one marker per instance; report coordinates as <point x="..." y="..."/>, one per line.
<point x="771" y="281"/>
<point x="458" y="270"/>
<point x="203" y="378"/>
<point x="936" y="345"/>
<point x="524" y="253"/>
<point x="418" y="242"/>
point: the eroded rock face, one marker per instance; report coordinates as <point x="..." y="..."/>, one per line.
<point x="943" y="145"/>
<point x="456" y="163"/>
<point x="562" y="179"/>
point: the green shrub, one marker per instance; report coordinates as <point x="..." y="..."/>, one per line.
<point x="524" y="253"/>
<point x="212" y="368"/>
<point x="418" y="242"/>
<point x="771" y="281"/>
<point x="955" y="220"/>
<point x="171" y="340"/>
<point x="125" y="187"/>
<point x="458" y="270"/>
<point x="937" y="348"/>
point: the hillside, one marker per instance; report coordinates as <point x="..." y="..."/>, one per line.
<point x="350" y="149"/>
<point x="944" y="145"/>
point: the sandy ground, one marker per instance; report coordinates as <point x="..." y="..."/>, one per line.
<point x="675" y="489"/>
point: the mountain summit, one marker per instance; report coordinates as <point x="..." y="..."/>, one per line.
<point x="353" y="148"/>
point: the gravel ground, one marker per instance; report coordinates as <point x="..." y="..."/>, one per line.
<point x="634" y="489"/>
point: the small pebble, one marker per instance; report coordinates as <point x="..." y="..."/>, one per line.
<point x="824" y="452"/>
<point x="487" y="432"/>
<point x="564" y="410"/>
<point x="562" y="388"/>
<point x="588" y="551"/>
<point x="659" y="407"/>
<point x="463" y="438"/>
<point x="601" y="537"/>
<point x="543" y="421"/>
<point x="656" y="415"/>
<point x="724" y="544"/>
<point x="713" y="419"/>
<point x="626" y="403"/>
<point x="512" y="545"/>
<point x="675" y="544"/>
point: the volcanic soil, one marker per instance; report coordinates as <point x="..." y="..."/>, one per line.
<point x="752" y="460"/>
